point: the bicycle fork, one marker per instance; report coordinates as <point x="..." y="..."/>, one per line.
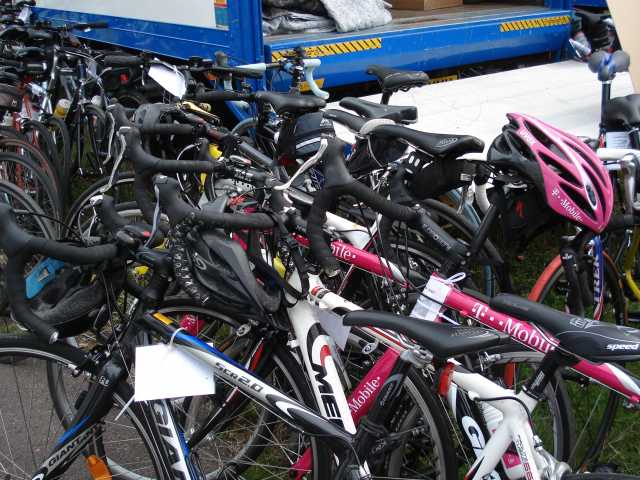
<point x="85" y="426"/>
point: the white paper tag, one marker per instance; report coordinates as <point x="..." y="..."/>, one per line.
<point x="618" y="140"/>
<point x="25" y="13"/>
<point x="332" y="324"/>
<point x="429" y="304"/>
<point x="170" y="79"/>
<point x="170" y="372"/>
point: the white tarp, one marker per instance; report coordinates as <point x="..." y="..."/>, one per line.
<point x="195" y="13"/>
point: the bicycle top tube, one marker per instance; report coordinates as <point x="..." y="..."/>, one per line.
<point x="608" y="374"/>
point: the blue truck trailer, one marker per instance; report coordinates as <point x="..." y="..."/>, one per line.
<point x="416" y="39"/>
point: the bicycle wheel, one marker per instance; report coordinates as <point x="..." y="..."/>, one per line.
<point x="32" y="425"/>
<point x="248" y="441"/>
<point x="60" y="135"/>
<point x="20" y="147"/>
<point x="595" y="407"/>
<point x="32" y="180"/>
<point x="80" y="214"/>
<point x="422" y="448"/>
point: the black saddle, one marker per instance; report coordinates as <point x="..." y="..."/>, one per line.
<point x="353" y="122"/>
<point x="442" y="340"/>
<point x="392" y="80"/>
<point x="436" y="144"/>
<point x="590" y="19"/>
<point x="295" y="104"/>
<point x="9" y="76"/>
<point x="31" y="53"/>
<point x="589" y="339"/>
<point x="371" y="110"/>
<point x="623" y="111"/>
<point x="14" y="33"/>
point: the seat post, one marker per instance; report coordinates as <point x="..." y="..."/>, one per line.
<point x="552" y="361"/>
<point x="386" y="96"/>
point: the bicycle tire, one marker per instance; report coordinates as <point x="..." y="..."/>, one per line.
<point x="43" y="141"/>
<point x="437" y="424"/>
<point x="81" y="202"/>
<point x="551" y="276"/>
<point x="21" y="352"/>
<point x="36" y="155"/>
<point x="26" y="174"/>
<point x="60" y="135"/>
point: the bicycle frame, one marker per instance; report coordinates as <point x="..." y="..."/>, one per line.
<point x="515" y="426"/>
<point x="179" y="463"/>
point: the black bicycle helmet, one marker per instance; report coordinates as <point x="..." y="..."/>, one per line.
<point x="214" y="269"/>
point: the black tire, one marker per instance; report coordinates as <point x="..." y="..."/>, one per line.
<point x="122" y="191"/>
<point x="32" y="180"/>
<point x="61" y="138"/>
<point x="591" y="401"/>
<point x="23" y="354"/>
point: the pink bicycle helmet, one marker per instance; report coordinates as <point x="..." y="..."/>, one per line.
<point x="569" y="175"/>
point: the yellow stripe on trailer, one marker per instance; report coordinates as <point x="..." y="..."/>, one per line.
<point x="446" y="78"/>
<point x="541" y="22"/>
<point x="329" y="49"/>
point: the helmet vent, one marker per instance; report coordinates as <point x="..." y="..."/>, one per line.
<point x="560" y="170"/>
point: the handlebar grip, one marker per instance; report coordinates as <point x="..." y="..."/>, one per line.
<point x="120" y="115"/>
<point x="324" y="201"/>
<point x="109" y="215"/>
<point x="16" y="291"/>
<point x="122" y="61"/>
<point x="256" y="155"/>
<point x="221" y="96"/>
<point x="597" y="60"/>
<point x="621" y="60"/>
<point x="179" y="129"/>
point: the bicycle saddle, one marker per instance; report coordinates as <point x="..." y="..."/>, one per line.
<point x="623" y="111"/>
<point x="436" y="144"/>
<point x="371" y="110"/>
<point x="442" y="340"/>
<point x="9" y="76"/>
<point x="391" y="79"/>
<point x="590" y="19"/>
<point x="349" y="120"/>
<point x="31" y="53"/>
<point x="284" y="103"/>
<point x="589" y="339"/>
<point x="14" y="33"/>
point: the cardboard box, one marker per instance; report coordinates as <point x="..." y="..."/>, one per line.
<point x="424" y="4"/>
<point x="625" y="14"/>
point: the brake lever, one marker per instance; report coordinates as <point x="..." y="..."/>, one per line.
<point x="305" y="166"/>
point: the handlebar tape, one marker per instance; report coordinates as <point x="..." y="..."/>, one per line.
<point x="177" y="210"/>
<point x="122" y="61"/>
<point x="18" y="245"/>
<point x="221" y="96"/>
